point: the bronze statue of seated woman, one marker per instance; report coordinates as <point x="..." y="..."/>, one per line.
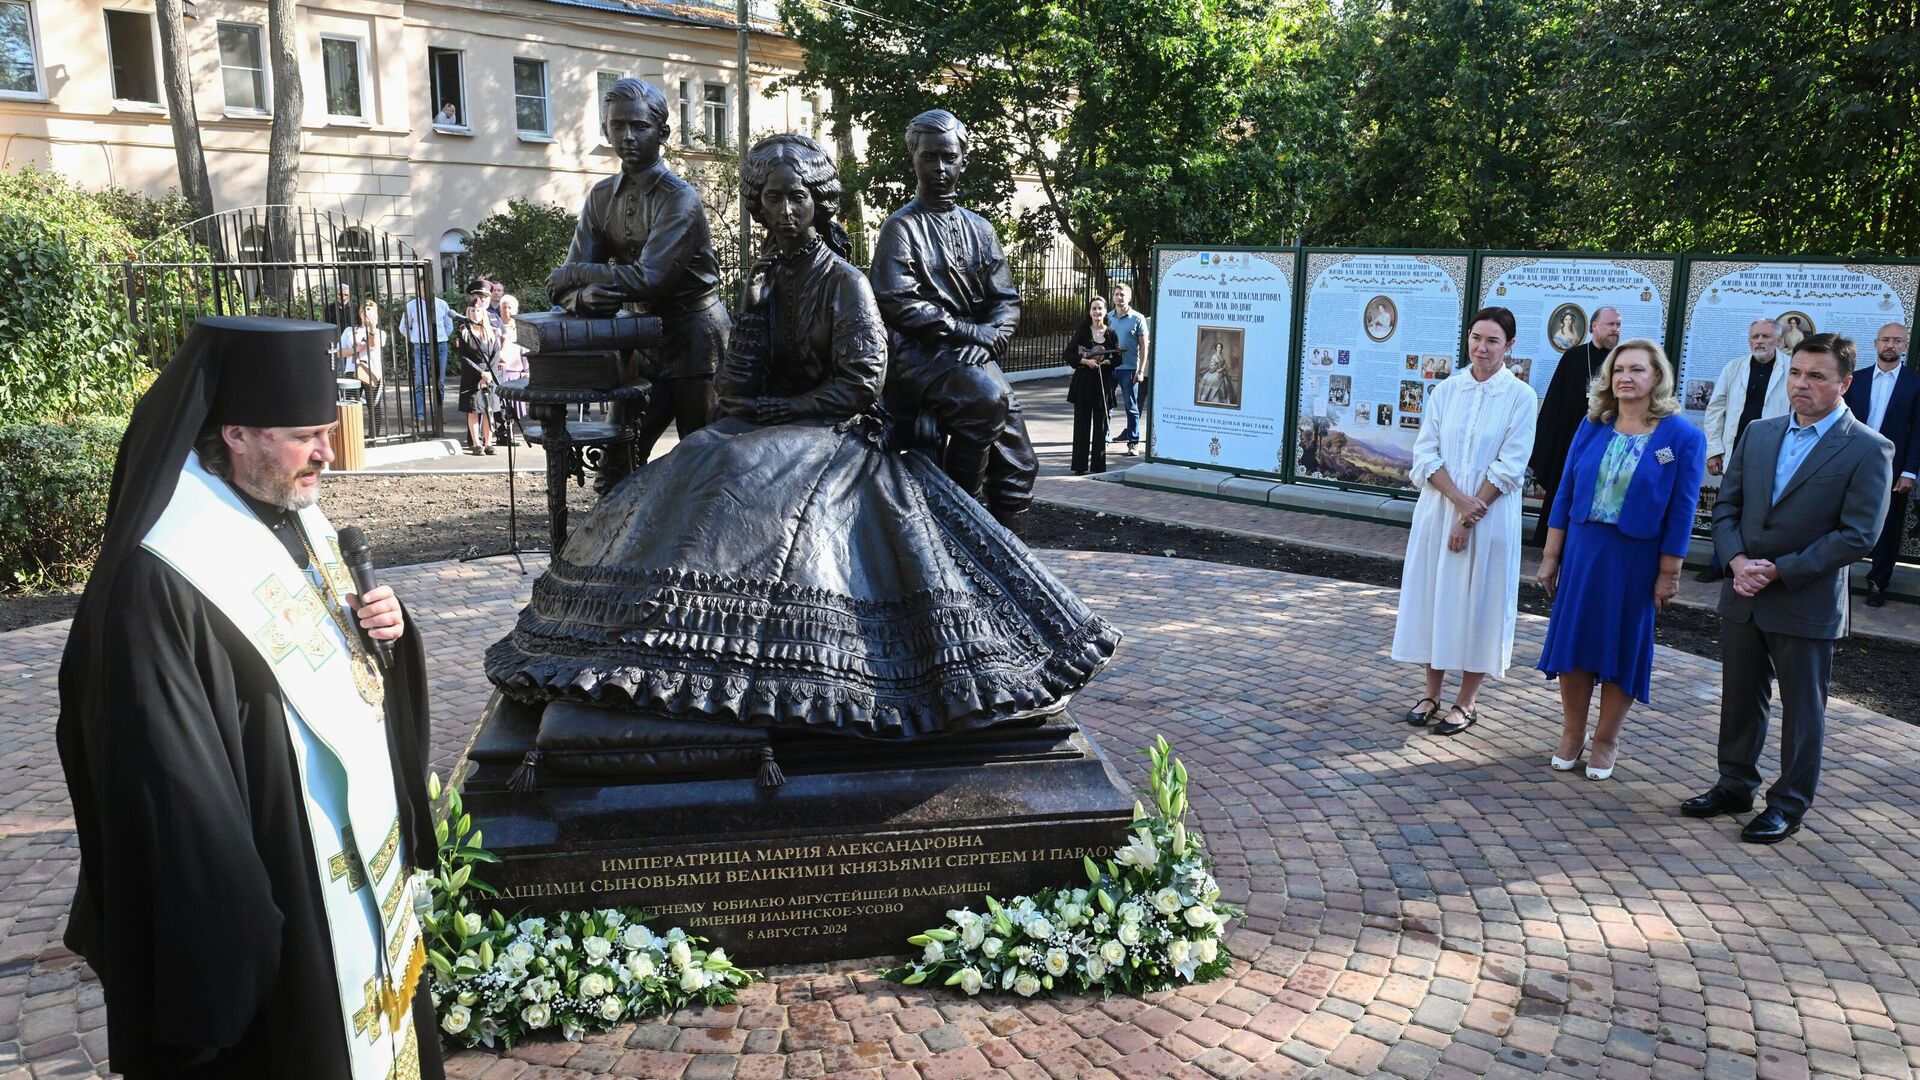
<point x="783" y="567"/>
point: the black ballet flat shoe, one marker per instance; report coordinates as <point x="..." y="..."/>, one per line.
<point x="1716" y="802"/>
<point x="489" y="450"/>
<point x="1876" y="596"/>
<point x="1468" y="718"/>
<point x="1770" y="827"/>
<point x="1419" y="717"/>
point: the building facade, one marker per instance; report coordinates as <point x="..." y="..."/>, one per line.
<point x="422" y="117"/>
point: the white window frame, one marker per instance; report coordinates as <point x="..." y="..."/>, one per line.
<point x="39" y="90"/>
<point x="126" y="104"/>
<point x="266" y="70"/>
<point x="433" y="102"/>
<point x="364" y="116"/>
<point x="686" y="103"/>
<point x="544" y="134"/>
<point x="724" y="137"/>
<point x="600" y="103"/>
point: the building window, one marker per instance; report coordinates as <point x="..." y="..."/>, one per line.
<point x="606" y="79"/>
<point x="686" y="112"/>
<point x="243" y="68"/>
<point x="19" y="67"/>
<point x="453" y="260"/>
<point x="340" y="62"/>
<point x="253" y="249"/>
<point x="530" y="96"/>
<point x="713" y="114"/>
<point x="131" y="55"/>
<point x="447" y="75"/>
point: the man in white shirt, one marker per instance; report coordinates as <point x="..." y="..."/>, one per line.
<point x="427" y="324"/>
<point x="1751" y="386"/>
<point x="1886" y="398"/>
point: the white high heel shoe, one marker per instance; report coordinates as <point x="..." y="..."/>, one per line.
<point x="1561" y="764"/>
<point x="1602" y="774"/>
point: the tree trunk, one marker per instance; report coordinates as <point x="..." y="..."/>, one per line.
<point x="283" y="147"/>
<point x="176" y="73"/>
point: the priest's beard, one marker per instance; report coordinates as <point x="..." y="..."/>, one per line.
<point x="276" y="488"/>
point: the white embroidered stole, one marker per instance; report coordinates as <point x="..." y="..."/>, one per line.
<point x="338" y="729"/>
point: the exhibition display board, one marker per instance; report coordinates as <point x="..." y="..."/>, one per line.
<point x="1223" y="342"/>
<point x="1379" y="330"/>
<point x="1553" y="298"/>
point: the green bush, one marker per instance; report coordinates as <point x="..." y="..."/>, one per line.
<point x="520" y="246"/>
<point x="63" y="321"/>
<point x="54" y="480"/>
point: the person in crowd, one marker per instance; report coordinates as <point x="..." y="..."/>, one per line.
<point x="495" y="291"/>
<point x="1801" y="501"/>
<point x="427" y="324"/>
<point x="1619" y="528"/>
<point x="361" y="349"/>
<point x="1886" y="397"/>
<point x="449" y="116"/>
<point x="513" y="364"/>
<point x="1130" y="374"/>
<point x="340" y="311"/>
<point x="1459" y="591"/>
<point x="1751" y="386"/>
<point x="217" y="708"/>
<point x="1092" y="353"/>
<point x="945" y="288"/>
<point x="477" y="345"/>
<point x="1564" y="408"/>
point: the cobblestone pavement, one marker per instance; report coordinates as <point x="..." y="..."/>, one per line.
<point x="1416" y="906"/>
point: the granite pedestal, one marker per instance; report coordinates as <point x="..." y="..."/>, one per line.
<point x="864" y="844"/>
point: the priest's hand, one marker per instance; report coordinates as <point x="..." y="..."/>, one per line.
<point x="379" y="613"/>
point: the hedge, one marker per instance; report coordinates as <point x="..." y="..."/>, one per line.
<point x="54" y="480"/>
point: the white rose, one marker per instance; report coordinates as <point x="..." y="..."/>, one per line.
<point x="970" y="981"/>
<point x="521" y="952"/>
<point x="1026" y="984"/>
<point x="680" y="953"/>
<point x="1096" y="968"/>
<point x="1178" y="950"/>
<point x="635" y="936"/>
<point x="640" y="965"/>
<point x="973" y="935"/>
<point x="456" y="1020"/>
<point x="1038" y="929"/>
<point x="1056" y="962"/>
<point x="613" y="919"/>
<point x="1199" y="916"/>
<point x="1132" y="912"/>
<point x="1129" y="934"/>
<point x="692" y="979"/>
<point x="597" y="948"/>
<point x="536" y="1015"/>
<point x="473" y="922"/>
<point x="610" y="1008"/>
<point x="934" y="953"/>
<point x="990" y="948"/>
<point x="1167" y="900"/>
<point x="533" y="927"/>
<point x="1206" y="950"/>
<point x="595" y="985"/>
<point x="467" y="997"/>
<point x="1113" y="952"/>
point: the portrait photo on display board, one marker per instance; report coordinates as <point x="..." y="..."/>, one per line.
<point x="1522" y="368"/>
<point x="1218" y="365"/>
<point x="1339" y="389"/>
<point x="1381" y="319"/>
<point x="1794" y="327"/>
<point x="1567" y="326"/>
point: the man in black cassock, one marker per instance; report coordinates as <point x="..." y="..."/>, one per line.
<point x="1564" y="406"/>
<point x="248" y="782"/>
<point x="945" y="290"/>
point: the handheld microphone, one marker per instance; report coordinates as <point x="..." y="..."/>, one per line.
<point x="358" y="555"/>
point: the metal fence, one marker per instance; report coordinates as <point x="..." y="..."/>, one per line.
<point x="302" y="263"/>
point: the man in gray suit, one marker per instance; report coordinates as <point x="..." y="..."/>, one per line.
<point x="1801" y="501"/>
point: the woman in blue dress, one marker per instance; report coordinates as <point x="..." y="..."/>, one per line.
<point x="1617" y="534"/>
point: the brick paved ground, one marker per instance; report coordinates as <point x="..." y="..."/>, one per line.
<point x="1416" y="906"/>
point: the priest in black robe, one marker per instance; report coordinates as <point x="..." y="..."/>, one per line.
<point x="202" y="902"/>
<point x="1564" y="406"/>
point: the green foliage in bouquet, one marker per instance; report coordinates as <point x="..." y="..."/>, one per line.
<point x="498" y="979"/>
<point x="1149" y="919"/>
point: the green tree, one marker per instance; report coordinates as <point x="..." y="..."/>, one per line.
<point x="1128" y="113"/>
<point x="520" y="246"/>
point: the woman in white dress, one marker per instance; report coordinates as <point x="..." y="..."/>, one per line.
<point x="1460" y="587"/>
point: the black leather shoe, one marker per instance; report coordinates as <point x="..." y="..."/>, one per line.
<point x="1770" y="827"/>
<point x="1711" y="573"/>
<point x="1876" y="596"/>
<point x="1716" y="802"/>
